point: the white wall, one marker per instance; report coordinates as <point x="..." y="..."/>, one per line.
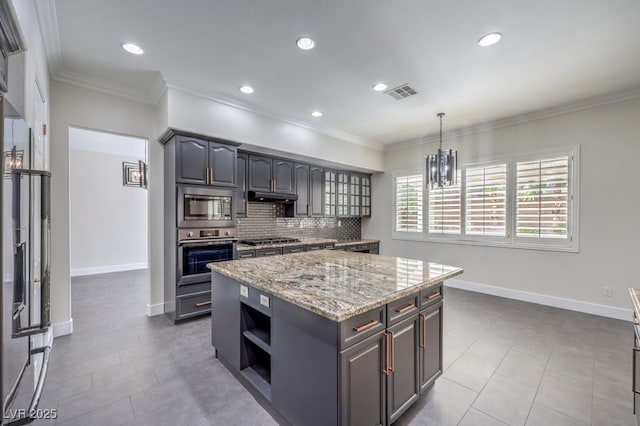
<point x="204" y="116"/>
<point x="609" y="138"/>
<point x="74" y="106"/>
<point x="108" y="221"/>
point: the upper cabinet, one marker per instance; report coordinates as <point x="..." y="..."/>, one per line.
<point x="365" y="195"/>
<point x="303" y="205"/>
<point x="342" y="193"/>
<point x="268" y="174"/>
<point x="316" y="174"/>
<point x="205" y="162"/>
<point x="241" y="190"/>
<point x="330" y="194"/>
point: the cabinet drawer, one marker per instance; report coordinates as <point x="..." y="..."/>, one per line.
<point x="329" y="246"/>
<point x="186" y="290"/>
<point x="401" y="309"/>
<point x="296" y="249"/>
<point x="193" y="305"/>
<point x="312" y="247"/>
<point x="430" y="296"/>
<point x="361" y="326"/>
<point x="255" y="298"/>
<point x="245" y="254"/>
<point x="268" y="252"/>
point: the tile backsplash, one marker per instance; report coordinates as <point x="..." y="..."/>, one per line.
<point x="267" y="220"/>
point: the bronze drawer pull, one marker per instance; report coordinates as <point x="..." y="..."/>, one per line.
<point x="201" y="304"/>
<point x="423" y="343"/>
<point x="366" y="326"/>
<point x="405" y="308"/>
<point x="433" y="295"/>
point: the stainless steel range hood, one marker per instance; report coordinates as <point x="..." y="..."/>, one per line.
<point x="272" y="197"/>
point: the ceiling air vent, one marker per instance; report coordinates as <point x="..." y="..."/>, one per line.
<point x="401" y="92"/>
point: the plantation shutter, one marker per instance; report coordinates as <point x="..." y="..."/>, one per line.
<point x="542" y="206"/>
<point x="486" y="200"/>
<point x="445" y="209"/>
<point x="409" y="203"/>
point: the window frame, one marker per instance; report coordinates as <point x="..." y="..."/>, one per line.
<point x="510" y="240"/>
<point x="406" y="235"/>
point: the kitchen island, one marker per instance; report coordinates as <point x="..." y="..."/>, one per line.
<point x="330" y="337"/>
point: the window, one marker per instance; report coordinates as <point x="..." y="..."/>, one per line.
<point x="445" y="209"/>
<point x="408" y="203"/>
<point x="542" y="199"/>
<point x="486" y="200"/>
<point x="528" y="201"/>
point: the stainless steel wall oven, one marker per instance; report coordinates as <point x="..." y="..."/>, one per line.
<point x="197" y="247"/>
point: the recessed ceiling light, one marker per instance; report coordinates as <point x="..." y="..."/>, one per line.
<point x="316" y="114"/>
<point x="246" y="89"/>
<point x="134" y="49"/>
<point x="379" y="87"/>
<point x="305" y="43"/>
<point x="489" y="39"/>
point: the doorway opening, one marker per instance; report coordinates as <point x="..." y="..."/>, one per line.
<point x="108" y="226"/>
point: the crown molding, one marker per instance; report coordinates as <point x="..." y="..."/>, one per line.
<point x="223" y="100"/>
<point x="48" y="21"/>
<point x="541" y="114"/>
<point x="82" y="80"/>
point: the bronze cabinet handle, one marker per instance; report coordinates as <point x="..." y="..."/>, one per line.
<point x="433" y="295"/>
<point x="386" y="354"/>
<point x="366" y="326"/>
<point x="405" y="308"/>
<point x="201" y="304"/>
<point x="423" y="342"/>
<point x="392" y="368"/>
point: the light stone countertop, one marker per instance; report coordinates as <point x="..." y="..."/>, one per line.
<point x="308" y="241"/>
<point x="337" y="285"/>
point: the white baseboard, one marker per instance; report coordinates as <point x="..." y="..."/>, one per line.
<point x="156" y="309"/>
<point x="78" y="272"/>
<point x="62" y="328"/>
<point x="543" y="299"/>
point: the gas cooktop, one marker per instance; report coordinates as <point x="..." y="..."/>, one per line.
<point x="270" y="240"/>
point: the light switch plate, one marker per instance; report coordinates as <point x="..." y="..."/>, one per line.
<point x="244" y="291"/>
<point x="264" y="300"/>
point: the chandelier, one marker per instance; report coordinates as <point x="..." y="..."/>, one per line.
<point x="442" y="167"/>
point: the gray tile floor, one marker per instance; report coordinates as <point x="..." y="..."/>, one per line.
<point x="506" y="362"/>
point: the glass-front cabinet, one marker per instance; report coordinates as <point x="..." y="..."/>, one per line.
<point x="343" y="194"/>
<point x="354" y="194"/>
<point x="365" y="196"/>
<point x="330" y="196"/>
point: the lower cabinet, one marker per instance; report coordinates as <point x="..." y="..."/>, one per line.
<point x="362" y="385"/>
<point x="430" y="347"/>
<point x="403" y="370"/>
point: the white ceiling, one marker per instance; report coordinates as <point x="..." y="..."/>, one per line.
<point x="552" y="53"/>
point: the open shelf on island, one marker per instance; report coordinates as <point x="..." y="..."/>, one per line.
<point x="260" y="338"/>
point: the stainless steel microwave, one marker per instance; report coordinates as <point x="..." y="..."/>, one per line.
<point x="202" y="207"/>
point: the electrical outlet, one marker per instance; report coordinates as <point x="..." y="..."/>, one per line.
<point x="339" y="223"/>
<point x="608" y="292"/>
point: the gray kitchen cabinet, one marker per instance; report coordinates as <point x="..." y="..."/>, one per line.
<point x="330" y="194"/>
<point x="246" y="254"/>
<point x="293" y="249"/>
<point x="268" y="252"/>
<point x="342" y="194"/>
<point x="260" y="173"/>
<point x="205" y="162"/>
<point x="362" y="388"/>
<point x="316" y="174"/>
<point x="283" y="175"/>
<point x="365" y="196"/>
<point x="354" y="194"/>
<point x="302" y="205"/>
<point x="430" y="354"/>
<point x="403" y="388"/>
<point x="267" y="174"/>
<point x="241" y="189"/>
